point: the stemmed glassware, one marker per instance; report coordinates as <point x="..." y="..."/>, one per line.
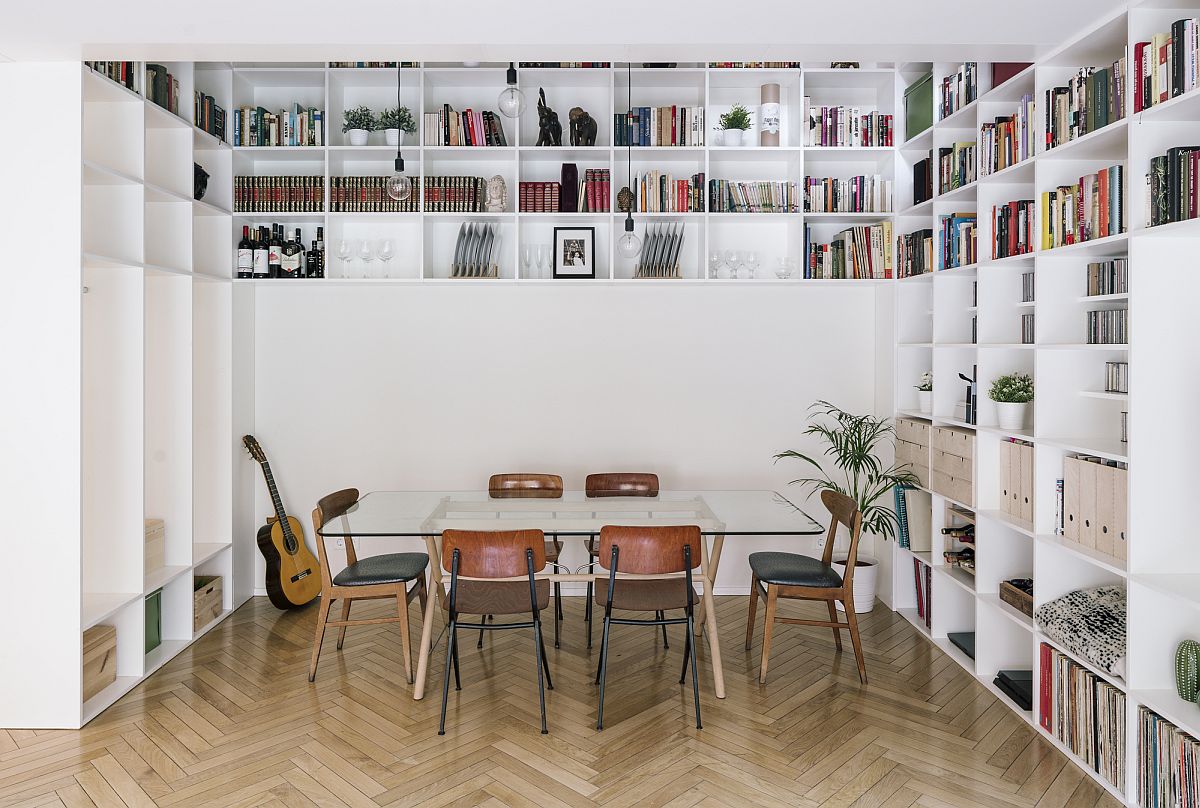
<point x="733" y="258"/>
<point x="752" y="264"/>
<point x="366" y="255"/>
<point x="527" y="251"/>
<point x="543" y="260"/>
<point x="386" y="254"/>
<point x="344" y="253"/>
<point x="714" y="264"/>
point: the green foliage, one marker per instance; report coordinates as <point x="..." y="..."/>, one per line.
<point x="926" y="385"/>
<point x="402" y="119"/>
<point x="850" y="443"/>
<point x="1015" y="388"/>
<point x="358" y="118"/>
<point x="738" y="117"/>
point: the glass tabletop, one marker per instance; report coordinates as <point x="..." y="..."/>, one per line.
<point x="428" y="513"/>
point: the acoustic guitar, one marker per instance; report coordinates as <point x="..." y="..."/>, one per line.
<point x="293" y="573"/>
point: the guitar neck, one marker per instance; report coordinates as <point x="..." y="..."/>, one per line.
<point x="280" y="513"/>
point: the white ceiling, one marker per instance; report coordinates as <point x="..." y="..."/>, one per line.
<point x="541" y="30"/>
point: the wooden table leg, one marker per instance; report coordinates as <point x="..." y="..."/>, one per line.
<point x="714" y="560"/>
<point x="431" y="606"/>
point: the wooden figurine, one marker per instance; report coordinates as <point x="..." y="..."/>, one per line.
<point x="583" y="127"/>
<point x="549" y="129"/>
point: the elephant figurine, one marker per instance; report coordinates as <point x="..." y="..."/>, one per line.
<point x="583" y="127"/>
<point x="549" y="129"/>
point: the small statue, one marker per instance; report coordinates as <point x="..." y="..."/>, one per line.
<point x="625" y="200"/>
<point x="583" y="127"/>
<point x="549" y="129"/>
<point x="497" y="195"/>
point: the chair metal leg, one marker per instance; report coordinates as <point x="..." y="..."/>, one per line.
<point x="660" y="616"/>
<point x="687" y="645"/>
<point x="538" y="659"/>
<point x="454" y="654"/>
<point x="545" y="662"/>
<point x="695" y="672"/>
<point x="557" y="610"/>
<point x="446" y="676"/>
<point x="345" y="616"/>
<point x="852" y="619"/>
<point x="603" y="673"/>
<point x="589" y="614"/>
<point x="833" y="618"/>
<point x="322" y="618"/>
<point x="482" y="618"/>
<point x="753" y="609"/>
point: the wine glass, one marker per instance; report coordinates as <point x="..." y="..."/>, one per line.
<point x="714" y="264"/>
<point x="733" y="258"/>
<point x="752" y="264"/>
<point x="527" y="251"/>
<point x="366" y="255"/>
<point x="543" y="260"/>
<point x="344" y="253"/>
<point x="386" y="254"/>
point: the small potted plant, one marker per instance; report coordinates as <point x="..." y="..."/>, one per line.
<point x="851" y="443"/>
<point x="733" y="123"/>
<point x="1012" y="394"/>
<point x="395" y="123"/>
<point x="358" y="123"/>
<point x="925" y="392"/>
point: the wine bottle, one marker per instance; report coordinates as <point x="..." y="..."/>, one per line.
<point x="315" y="266"/>
<point x="290" y="256"/>
<point x="274" y="250"/>
<point x="261" y="255"/>
<point x="245" y="254"/>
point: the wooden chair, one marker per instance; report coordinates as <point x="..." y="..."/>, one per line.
<point x="533" y="486"/>
<point x="667" y="555"/>
<point x="381" y="576"/>
<point x="616" y="484"/>
<point x="799" y="577"/>
<point x="495" y="572"/>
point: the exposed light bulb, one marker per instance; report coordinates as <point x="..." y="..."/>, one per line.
<point x="511" y="102"/>
<point x="629" y="246"/>
<point x="399" y="187"/>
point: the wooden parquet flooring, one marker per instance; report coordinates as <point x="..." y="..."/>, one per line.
<point x="233" y="721"/>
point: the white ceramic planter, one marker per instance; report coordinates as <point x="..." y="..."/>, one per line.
<point x="866" y="574"/>
<point x="925" y="400"/>
<point x="731" y="137"/>
<point x="1011" y="416"/>
<point x="394" y="137"/>
<point x="358" y="137"/>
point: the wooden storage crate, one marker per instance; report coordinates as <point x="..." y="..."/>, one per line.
<point x="99" y="659"/>
<point x="156" y="545"/>
<point x="208" y="600"/>
<point x="1019" y="599"/>
<point x="913" y="431"/>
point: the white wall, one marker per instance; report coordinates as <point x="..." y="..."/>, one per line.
<point x="439" y="386"/>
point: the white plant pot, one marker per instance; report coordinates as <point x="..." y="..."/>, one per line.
<point x="394" y="137"/>
<point x="358" y="137"/>
<point x="732" y="137"/>
<point x="1011" y="416"/>
<point x="925" y="400"/>
<point x="866" y="574"/>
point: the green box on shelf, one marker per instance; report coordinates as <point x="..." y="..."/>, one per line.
<point x="918" y="106"/>
<point x="153" y="620"/>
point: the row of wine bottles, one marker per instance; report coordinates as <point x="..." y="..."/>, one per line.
<point x="276" y="254"/>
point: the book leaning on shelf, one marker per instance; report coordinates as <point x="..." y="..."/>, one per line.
<point x="923" y="179"/>
<point x="208" y="115"/>
<point x="660" y="126"/>
<point x="452" y="194"/>
<point x="660" y="192"/>
<point x="448" y="127"/>
<point x="958" y="240"/>
<point x="914" y="253"/>
<point x="1171" y="186"/>
<point x="1091" y="100"/>
<point x="1007" y="141"/>
<point x="1012" y="228"/>
<point x="299" y="126"/>
<point x="861" y="194"/>
<point x="729" y="196"/>
<point x="123" y="73"/>
<point x="858" y="252"/>
<point x="847" y="126"/>
<point x="1090" y="209"/>
<point x="1166" y="65"/>
<point x="367" y="195"/>
<point x="959" y="89"/>
<point x="956" y="166"/>
<point x="162" y="87"/>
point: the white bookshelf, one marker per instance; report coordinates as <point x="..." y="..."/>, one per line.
<point x="1072" y="413"/>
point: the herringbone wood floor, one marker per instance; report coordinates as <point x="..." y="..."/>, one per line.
<point x="234" y="721"/>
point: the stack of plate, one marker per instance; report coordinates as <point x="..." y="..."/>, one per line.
<point x="660" y="253"/>
<point x="474" y="250"/>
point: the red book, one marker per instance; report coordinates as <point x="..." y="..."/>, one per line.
<point x="674" y="125"/>
<point x="608" y="190"/>
<point x="1045" y="703"/>
<point x="1139" y="100"/>
<point x="589" y="179"/>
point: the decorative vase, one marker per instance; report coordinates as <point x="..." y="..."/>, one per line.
<point x="393" y="137"/>
<point x="768" y="115"/>
<point x="732" y="137"/>
<point x="866" y="574"/>
<point x="358" y="137"/>
<point x="1010" y="415"/>
<point x="1187" y="669"/>
<point x="925" y="400"/>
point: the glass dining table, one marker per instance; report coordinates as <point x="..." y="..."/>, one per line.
<point x="425" y="514"/>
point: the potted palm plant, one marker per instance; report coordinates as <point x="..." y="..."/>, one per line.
<point x="851" y="444"/>
<point x="1012" y="393"/>
<point x="358" y="123"/>
<point x="395" y="123"/>
<point x="732" y="124"/>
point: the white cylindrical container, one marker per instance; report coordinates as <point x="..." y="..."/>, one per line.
<point x="768" y="115"/>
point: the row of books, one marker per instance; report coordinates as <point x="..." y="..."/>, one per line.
<point x="914" y="253"/>
<point x="1116" y="377"/>
<point x="1108" y="327"/>
<point x="1091" y="100"/>
<point x="1166" y="65"/>
<point x="923" y="179"/>
<point x="1109" y="277"/>
<point x="444" y="194"/>
<point x="923" y="578"/>
<point x="1027" y="329"/>
<point x="570" y="65"/>
<point x="162" y="87"/>
<point x="367" y="195"/>
<point x="374" y="64"/>
<point x="285" y="194"/>
<point x="539" y="197"/>
<point x="1004" y="142"/>
<point x="956" y="166"/>
<point x="1012" y="228"/>
<point x="759" y="65"/>
<point x="959" y="248"/>
<point x="729" y="196"/>
<point x="595" y="192"/>
<point x="1168" y="763"/>
<point x="208" y="115"/>
<point x="123" y="73"/>
<point x="449" y="127"/>
<point x="299" y="126"/>
<point x="660" y="126"/>
<point x="1085" y="712"/>
<point x="1090" y="209"/>
<point x="958" y="89"/>
<point x="1027" y="288"/>
<point x="847" y="126"/>
<point x="860" y="194"/>
<point x="858" y="252"/>
<point x="660" y="192"/>
<point x="1171" y="186"/>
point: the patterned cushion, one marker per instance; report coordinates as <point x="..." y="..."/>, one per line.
<point x="1090" y="623"/>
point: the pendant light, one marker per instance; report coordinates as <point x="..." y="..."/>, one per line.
<point x="629" y="246"/>
<point x="399" y="186"/>
<point x="511" y="101"/>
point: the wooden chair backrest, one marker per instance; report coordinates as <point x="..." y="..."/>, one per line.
<point x="331" y="506"/>
<point x="622" y="484"/>
<point x="649" y="550"/>
<point x="844" y="511"/>
<point x="493" y="553"/>
<point x="534" y="486"/>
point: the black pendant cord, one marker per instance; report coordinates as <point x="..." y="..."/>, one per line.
<point x="629" y="145"/>
<point x="399" y="158"/>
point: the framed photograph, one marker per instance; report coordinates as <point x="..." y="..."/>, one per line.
<point x="574" y="252"/>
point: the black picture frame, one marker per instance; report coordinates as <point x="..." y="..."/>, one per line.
<point x="568" y="254"/>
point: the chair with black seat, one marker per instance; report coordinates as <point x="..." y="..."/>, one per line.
<point x="495" y="573"/>
<point x="649" y="570"/>
<point x="615" y="484"/>
<point x="371" y="578"/>
<point x="533" y="486"/>
<point x="800" y="577"/>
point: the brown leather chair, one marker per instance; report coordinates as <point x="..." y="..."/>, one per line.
<point x="667" y="553"/>
<point x="478" y="563"/>
<point x="381" y="576"/>
<point x="616" y="484"/>
<point x="533" y="486"/>
<point x="800" y="577"/>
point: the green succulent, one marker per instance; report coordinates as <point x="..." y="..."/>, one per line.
<point x="1014" y="388"/>
<point x="359" y="118"/>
